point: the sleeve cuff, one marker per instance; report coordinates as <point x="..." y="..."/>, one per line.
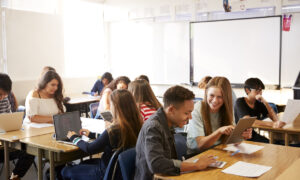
<point x="177" y="163"/>
<point x="76" y="140"/>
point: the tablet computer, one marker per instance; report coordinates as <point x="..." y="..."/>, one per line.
<point x="106" y="115"/>
<point x="243" y="124"/>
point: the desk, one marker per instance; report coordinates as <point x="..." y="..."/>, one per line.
<point x="11" y="138"/>
<point x="279" y="157"/>
<point x="287" y="131"/>
<point x="292" y="172"/>
<point x="81" y="103"/>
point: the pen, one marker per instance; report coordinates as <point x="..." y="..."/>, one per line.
<point x="235" y="152"/>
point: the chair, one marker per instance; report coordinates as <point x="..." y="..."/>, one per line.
<point x="274" y="107"/>
<point x="180" y="145"/>
<point x="93" y="109"/>
<point x="111" y="167"/>
<point x="127" y="163"/>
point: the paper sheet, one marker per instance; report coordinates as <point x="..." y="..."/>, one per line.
<point x="291" y="111"/>
<point x="39" y="125"/>
<point x="241" y="168"/>
<point x="244" y="148"/>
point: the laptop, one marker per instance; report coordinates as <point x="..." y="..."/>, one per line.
<point x="291" y="111"/>
<point x="63" y="123"/>
<point x="242" y="125"/>
<point x="11" y="121"/>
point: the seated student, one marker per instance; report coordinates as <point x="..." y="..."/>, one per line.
<point x="155" y="148"/>
<point x="212" y="118"/>
<point x="144" y="97"/>
<point x="119" y="83"/>
<point x="101" y="83"/>
<point x="47" y="100"/>
<point x="144" y="77"/>
<point x="24" y="160"/>
<point x="255" y="105"/>
<point x="122" y="134"/>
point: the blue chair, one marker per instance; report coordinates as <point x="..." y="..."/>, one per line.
<point x="112" y="165"/>
<point x="274" y="107"/>
<point x="127" y="163"/>
<point x="93" y="109"/>
<point x="180" y="145"/>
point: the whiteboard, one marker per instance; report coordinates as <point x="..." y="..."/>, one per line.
<point x="158" y="50"/>
<point x="237" y="49"/>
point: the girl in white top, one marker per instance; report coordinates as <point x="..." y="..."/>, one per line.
<point x="47" y="100"/>
<point x="119" y="83"/>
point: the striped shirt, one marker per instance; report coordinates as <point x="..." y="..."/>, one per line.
<point x="146" y="111"/>
<point x="5" y="106"/>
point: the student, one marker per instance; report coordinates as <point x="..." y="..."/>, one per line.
<point x="119" y="83"/>
<point x="47" y="100"/>
<point x="213" y="117"/>
<point x="24" y="160"/>
<point x="102" y="83"/>
<point x="122" y="134"/>
<point x="155" y="149"/>
<point x="255" y="105"/>
<point x="202" y="83"/>
<point x="144" y="97"/>
<point x="144" y="77"/>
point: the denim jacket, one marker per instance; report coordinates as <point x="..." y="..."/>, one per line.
<point x="155" y="149"/>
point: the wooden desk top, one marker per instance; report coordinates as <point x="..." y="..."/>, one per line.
<point x="47" y="142"/>
<point x="279" y="157"/>
<point x="287" y="128"/>
<point x="79" y="99"/>
<point x="292" y="172"/>
<point x="26" y="132"/>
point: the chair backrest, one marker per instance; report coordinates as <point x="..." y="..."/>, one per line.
<point x="110" y="169"/>
<point x="93" y="109"/>
<point x="127" y="163"/>
<point x="274" y="107"/>
<point x="180" y="145"/>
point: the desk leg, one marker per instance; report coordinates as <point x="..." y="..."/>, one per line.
<point x="51" y="159"/>
<point x="40" y="165"/>
<point x="286" y="139"/>
<point x="271" y="137"/>
<point x="6" y="159"/>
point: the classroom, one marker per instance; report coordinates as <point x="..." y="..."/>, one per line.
<point x="55" y="54"/>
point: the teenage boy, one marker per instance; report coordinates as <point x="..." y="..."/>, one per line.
<point x="24" y="160"/>
<point x="255" y="105"/>
<point x="155" y="148"/>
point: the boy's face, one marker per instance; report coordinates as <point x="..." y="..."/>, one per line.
<point x="3" y="94"/>
<point x="252" y="93"/>
<point x="179" y="116"/>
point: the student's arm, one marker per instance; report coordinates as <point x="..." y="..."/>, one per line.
<point x="95" y="87"/>
<point x="204" y="142"/>
<point x="96" y="146"/>
<point x="41" y="119"/>
<point x="201" y="164"/>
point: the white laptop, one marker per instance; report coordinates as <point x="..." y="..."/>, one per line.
<point x="291" y="111"/>
<point x="11" y="121"/>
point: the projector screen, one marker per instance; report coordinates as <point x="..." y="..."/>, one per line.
<point x="237" y="49"/>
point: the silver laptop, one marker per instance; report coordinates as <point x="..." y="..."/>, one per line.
<point x="63" y="123"/>
<point x="11" y="121"/>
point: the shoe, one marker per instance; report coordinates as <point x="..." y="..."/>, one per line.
<point x="14" y="177"/>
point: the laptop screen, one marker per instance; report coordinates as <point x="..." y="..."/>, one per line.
<point x="65" y="122"/>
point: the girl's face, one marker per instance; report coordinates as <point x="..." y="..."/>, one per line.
<point x="121" y="85"/>
<point x="214" y="99"/>
<point x="52" y="86"/>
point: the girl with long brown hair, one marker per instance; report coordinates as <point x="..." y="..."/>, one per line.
<point x="212" y="118"/>
<point x="47" y="100"/>
<point x="122" y="134"/>
<point x="144" y="97"/>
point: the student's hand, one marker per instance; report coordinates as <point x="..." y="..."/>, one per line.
<point x="70" y="134"/>
<point x="260" y="98"/>
<point x="247" y="134"/>
<point x="84" y="132"/>
<point x="278" y="124"/>
<point x="226" y="129"/>
<point x="204" y="161"/>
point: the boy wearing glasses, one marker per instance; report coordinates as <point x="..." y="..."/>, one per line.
<point x="255" y="105"/>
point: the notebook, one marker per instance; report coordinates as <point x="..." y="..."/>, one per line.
<point x="11" y="121"/>
<point x="63" y="123"/>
